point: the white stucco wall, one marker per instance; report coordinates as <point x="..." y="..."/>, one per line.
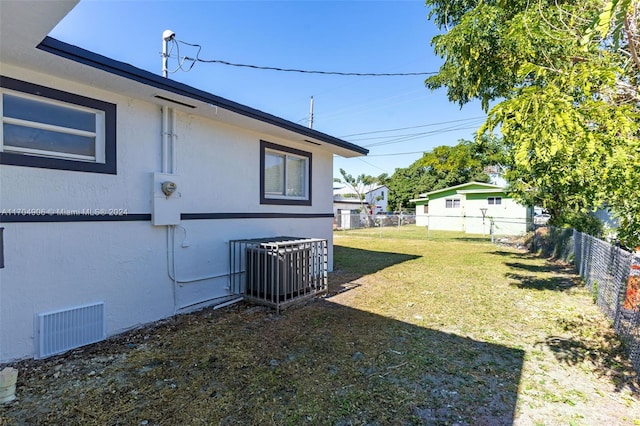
<point x="342" y="205"/>
<point x="421" y="215"/>
<point x="509" y="217"/>
<point x="441" y="218"/>
<point x="381" y="204"/>
<point x="52" y="266"/>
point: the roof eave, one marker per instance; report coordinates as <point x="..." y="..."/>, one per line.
<point x="112" y="66"/>
<point x="481" y="191"/>
<point x="490" y="185"/>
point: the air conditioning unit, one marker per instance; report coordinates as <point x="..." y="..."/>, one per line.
<point x="277" y="271"/>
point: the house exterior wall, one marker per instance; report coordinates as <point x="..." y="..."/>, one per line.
<point x="422" y="209"/>
<point x="381" y="204"/>
<point x="465" y="211"/>
<point x="509" y="217"/>
<point x="346" y="200"/>
<point x="344" y="205"/>
<point x="126" y="262"/>
<point x="441" y="218"/>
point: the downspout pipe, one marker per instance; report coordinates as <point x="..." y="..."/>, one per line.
<point x="165" y="139"/>
<point x="174" y="140"/>
<point x="170" y="165"/>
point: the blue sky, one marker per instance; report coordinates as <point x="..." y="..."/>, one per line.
<point x="346" y="36"/>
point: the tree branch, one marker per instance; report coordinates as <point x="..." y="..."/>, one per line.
<point x="631" y="40"/>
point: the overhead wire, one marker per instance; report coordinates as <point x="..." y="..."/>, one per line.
<point x="398" y="139"/>
<point x="372" y="165"/>
<point x="396" y="153"/>
<point x="176" y="43"/>
<point x="411" y="127"/>
<point x="197" y="58"/>
<point x="394" y="139"/>
<point x="378" y="102"/>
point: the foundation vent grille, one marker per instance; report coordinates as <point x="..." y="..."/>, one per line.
<point x="67" y="329"/>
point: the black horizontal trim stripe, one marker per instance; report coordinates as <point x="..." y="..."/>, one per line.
<point x="199" y="216"/>
<point x="142" y="217"/>
<point x="45" y="218"/>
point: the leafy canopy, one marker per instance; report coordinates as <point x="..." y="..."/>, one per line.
<point x="445" y="166"/>
<point x="563" y="76"/>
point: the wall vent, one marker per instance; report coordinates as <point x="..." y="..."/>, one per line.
<point x="174" y="101"/>
<point x="66" y="329"/>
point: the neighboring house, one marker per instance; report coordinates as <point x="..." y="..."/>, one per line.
<point x="473" y="208"/>
<point x="345" y="199"/>
<point x="121" y="189"/>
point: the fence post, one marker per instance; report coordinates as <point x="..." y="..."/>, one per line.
<point x="428" y="228"/>
<point x="491" y="230"/>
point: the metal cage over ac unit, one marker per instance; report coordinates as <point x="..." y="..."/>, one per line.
<point x="278" y="271"/>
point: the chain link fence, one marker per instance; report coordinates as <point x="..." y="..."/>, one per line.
<point x="611" y="274"/>
<point x="344" y="221"/>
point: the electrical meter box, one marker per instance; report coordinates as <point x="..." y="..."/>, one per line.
<point x="166" y="198"/>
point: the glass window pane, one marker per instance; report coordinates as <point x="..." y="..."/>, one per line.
<point x="296" y="176"/>
<point x="46" y="140"/>
<point x="274" y="174"/>
<point x="42" y="112"/>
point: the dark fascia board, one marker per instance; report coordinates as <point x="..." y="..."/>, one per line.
<point x="77" y="54"/>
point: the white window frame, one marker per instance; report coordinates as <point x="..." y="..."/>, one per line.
<point x="455" y="203"/>
<point x="98" y="135"/>
<point x="494" y="201"/>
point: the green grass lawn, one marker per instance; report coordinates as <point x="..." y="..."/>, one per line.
<point x="570" y="360"/>
<point x="443" y="330"/>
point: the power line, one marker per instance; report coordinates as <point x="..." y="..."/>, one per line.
<point x="356" y="74"/>
<point x="396" y="153"/>
<point x="461" y="126"/>
<point x="258" y="67"/>
<point x="411" y="127"/>
<point x="372" y="165"/>
<point x="399" y="139"/>
<point x="411" y="137"/>
<point x="380" y="103"/>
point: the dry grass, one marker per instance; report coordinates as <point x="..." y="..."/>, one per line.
<point x="450" y="330"/>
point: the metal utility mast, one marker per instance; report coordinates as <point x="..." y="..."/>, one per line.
<point x="311" y="114"/>
<point x="167" y="36"/>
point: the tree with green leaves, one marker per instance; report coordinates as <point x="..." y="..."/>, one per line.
<point x="445" y="166"/>
<point x="563" y="80"/>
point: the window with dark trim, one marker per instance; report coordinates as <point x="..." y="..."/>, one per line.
<point x="285" y="175"/>
<point x="48" y="128"/>
<point x="452" y="203"/>
<point x="494" y="200"/>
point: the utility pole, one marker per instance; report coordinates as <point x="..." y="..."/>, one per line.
<point x="311" y="114"/>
